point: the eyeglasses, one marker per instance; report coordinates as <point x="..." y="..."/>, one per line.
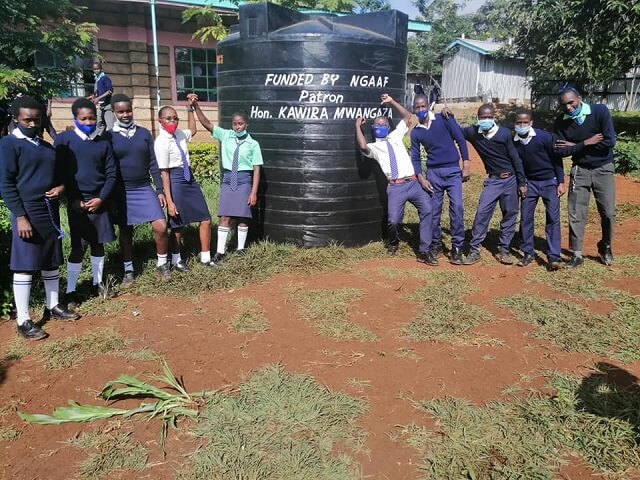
<point x="175" y="119"/>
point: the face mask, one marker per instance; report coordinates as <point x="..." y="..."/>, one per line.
<point x="241" y="134"/>
<point x="125" y="125"/>
<point x="380" y="132"/>
<point x="422" y="116"/>
<point x="29" y="132"/>
<point x="576" y="112"/>
<point x="170" y="128"/>
<point x="86" y="129"/>
<point x="523" y="131"/>
<point x="486" y="124"/>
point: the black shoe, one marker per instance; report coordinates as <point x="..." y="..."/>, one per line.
<point x="436" y="250"/>
<point x="128" y="279"/>
<point x="242" y="252"/>
<point x="428" y="258"/>
<point x="554" y="265"/>
<point x="575" y="262"/>
<point x="31" y="331"/>
<point x="504" y="258"/>
<point x="473" y="257"/>
<point x="392" y="249"/>
<point x="180" y="267"/>
<point x="217" y="259"/>
<point x="163" y="271"/>
<point x="526" y="260"/>
<point x="60" y="312"/>
<point x="101" y="290"/>
<point x="606" y="256"/>
<point x="72" y="300"/>
<point x="456" y="256"/>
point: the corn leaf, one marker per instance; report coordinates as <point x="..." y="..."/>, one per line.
<point x="73" y="413"/>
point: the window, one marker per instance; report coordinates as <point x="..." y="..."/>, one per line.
<point x="80" y="83"/>
<point x="196" y="71"/>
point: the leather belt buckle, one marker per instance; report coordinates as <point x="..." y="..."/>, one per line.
<point x="505" y="174"/>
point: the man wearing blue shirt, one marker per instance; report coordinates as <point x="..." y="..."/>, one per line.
<point x="102" y="91"/>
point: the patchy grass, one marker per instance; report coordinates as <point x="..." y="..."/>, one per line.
<point x="526" y="438"/>
<point x="359" y="383"/>
<point x="328" y="310"/>
<point x="17" y="350"/>
<point x="9" y="434"/>
<point x="443" y="314"/>
<point x="102" y="307"/>
<point x="404" y="352"/>
<point x="250" y="317"/>
<point x="109" y="452"/>
<point x="145" y="354"/>
<point x="278" y="425"/>
<point x="574" y="328"/>
<point x="627" y="210"/>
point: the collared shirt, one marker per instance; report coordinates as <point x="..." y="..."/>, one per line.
<point x="527" y="139"/>
<point x="84" y="136"/>
<point x="250" y="154"/>
<point x="490" y="133"/>
<point x="18" y="134"/>
<point x="166" y="149"/>
<point x="125" y="132"/>
<point x="432" y="117"/>
<point x="379" y="152"/>
<point x="584" y="111"/>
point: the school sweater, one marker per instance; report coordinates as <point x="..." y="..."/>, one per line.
<point x="598" y="121"/>
<point x="89" y="166"/>
<point x="438" y="141"/>
<point x="498" y="153"/>
<point x="27" y="171"/>
<point x="135" y="158"/>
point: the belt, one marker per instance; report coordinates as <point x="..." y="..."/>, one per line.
<point x="502" y="176"/>
<point x="396" y="181"/>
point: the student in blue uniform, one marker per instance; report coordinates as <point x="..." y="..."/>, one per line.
<point x="592" y="171"/>
<point x="505" y="182"/>
<point x="138" y="203"/>
<point x="542" y="161"/>
<point x="90" y="177"/>
<point x="30" y="185"/>
<point x="102" y="91"/>
<point x="185" y="201"/>
<point x="439" y="137"/>
<point x="406" y="183"/>
<point x="241" y="162"/>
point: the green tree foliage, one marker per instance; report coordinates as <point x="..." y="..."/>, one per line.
<point x="30" y="26"/>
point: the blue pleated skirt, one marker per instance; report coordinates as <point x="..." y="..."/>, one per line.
<point x="140" y="205"/>
<point x="189" y="200"/>
<point x="91" y="228"/>
<point x="43" y="251"/>
<point x="235" y="203"/>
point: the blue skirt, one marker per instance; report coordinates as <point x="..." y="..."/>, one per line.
<point x="234" y="203"/>
<point x="91" y="228"/>
<point x="189" y="200"/>
<point x="139" y="205"/>
<point x="43" y="251"/>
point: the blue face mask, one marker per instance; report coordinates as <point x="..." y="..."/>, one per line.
<point x="86" y="129"/>
<point x="486" y="124"/>
<point x="125" y="125"/>
<point x="422" y="116"/>
<point x="576" y="112"/>
<point x="523" y="131"/>
<point x="241" y="134"/>
<point x="380" y="132"/>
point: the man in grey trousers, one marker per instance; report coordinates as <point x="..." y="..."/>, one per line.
<point x="592" y="171"/>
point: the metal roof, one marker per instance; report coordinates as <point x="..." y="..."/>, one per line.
<point x="480" y="46"/>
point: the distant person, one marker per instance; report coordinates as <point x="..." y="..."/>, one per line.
<point x="185" y="201"/>
<point x="90" y="177"/>
<point x="102" y="91"/>
<point x="541" y="155"/>
<point x="241" y="163"/>
<point x="30" y="185"/>
<point x="138" y="203"/>
<point x="406" y="183"/>
<point x="592" y="171"/>
<point x="439" y="136"/>
<point x="504" y="184"/>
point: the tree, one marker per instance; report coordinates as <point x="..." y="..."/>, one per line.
<point x="40" y="26"/>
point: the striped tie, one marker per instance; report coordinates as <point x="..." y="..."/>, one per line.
<point x="392" y="160"/>
<point x="234" y="168"/>
<point x="186" y="171"/>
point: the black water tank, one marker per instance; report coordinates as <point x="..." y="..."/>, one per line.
<point x="303" y="79"/>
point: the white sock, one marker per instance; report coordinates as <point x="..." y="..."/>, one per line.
<point x="205" y="257"/>
<point x="162" y="259"/>
<point x="51" y="280"/>
<point x="175" y="258"/>
<point x="223" y="233"/>
<point x="73" y="272"/>
<point x="242" y="236"/>
<point x="21" y="294"/>
<point x="577" y="253"/>
<point x="97" y="268"/>
<point x="128" y="266"/>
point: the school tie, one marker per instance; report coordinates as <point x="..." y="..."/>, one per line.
<point x="185" y="161"/>
<point x="392" y="160"/>
<point x="234" y="168"/>
<point x="53" y="218"/>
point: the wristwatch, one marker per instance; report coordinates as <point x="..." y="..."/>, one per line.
<point x="191" y="109"/>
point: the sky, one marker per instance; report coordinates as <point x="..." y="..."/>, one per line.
<point x="407" y="7"/>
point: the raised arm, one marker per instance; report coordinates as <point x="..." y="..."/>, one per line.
<point x="385" y="99"/>
<point x="192" y="98"/>
<point x="362" y="142"/>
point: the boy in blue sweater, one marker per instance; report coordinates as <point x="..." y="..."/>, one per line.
<point x="437" y="135"/>
<point x="592" y="170"/>
<point x="505" y="182"/>
<point x="30" y="185"/>
<point x="542" y="161"/>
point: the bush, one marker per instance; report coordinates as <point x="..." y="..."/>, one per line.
<point x="5" y="246"/>
<point x="626" y="154"/>
<point x="626" y="122"/>
<point x="205" y="161"/>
